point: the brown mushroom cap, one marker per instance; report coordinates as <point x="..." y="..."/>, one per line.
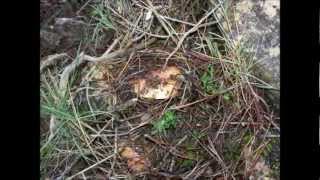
<point x="135" y="162"/>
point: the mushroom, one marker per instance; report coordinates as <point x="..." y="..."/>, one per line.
<point x="135" y="161"/>
<point x="158" y="84"/>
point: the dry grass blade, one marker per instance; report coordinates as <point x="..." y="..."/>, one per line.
<point x="119" y="53"/>
<point x="50" y="60"/>
<point x="161" y="20"/>
<point x="67" y="72"/>
<point x="193" y="29"/>
<point x="90" y="167"/>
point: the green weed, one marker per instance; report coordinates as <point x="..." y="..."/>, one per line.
<point x="187" y="163"/>
<point x="227" y="96"/>
<point x="207" y="80"/>
<point x="101" y="15"/>
<point x="213" y="48"/>
<point x="65" y="131"/>
<point x="102" y="22"/>
<point x="167" y="121"/>
<point x="233" y="150"/>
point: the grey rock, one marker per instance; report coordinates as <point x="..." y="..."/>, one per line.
<point x="258" y="24"/>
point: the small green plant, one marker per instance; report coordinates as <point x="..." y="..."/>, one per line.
<point x="233" y="150"/>
<point x="101" y="16"/>
<point x="247" y="137"/>
<point x="227" y="96"/>
<point x="213" y="47"/>
<point x="167" y="121"/>
<point x="207" y="80"/>
<point x="187" y="163"/>
<point x="64" y="120"/>
<point x="268" y="148"/>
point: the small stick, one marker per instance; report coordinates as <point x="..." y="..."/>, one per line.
<point x="189" y="104"/>
<point x="112" y="46"/>
<point x="147" y="136"/>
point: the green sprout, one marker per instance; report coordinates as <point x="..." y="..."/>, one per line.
<point x="207" y="80"/>
<point x="167" y="121"/>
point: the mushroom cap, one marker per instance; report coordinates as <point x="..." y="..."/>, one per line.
<point x="129" y="153"/>
<point x="158" y="84"/>
<point x="135" y="162"/>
